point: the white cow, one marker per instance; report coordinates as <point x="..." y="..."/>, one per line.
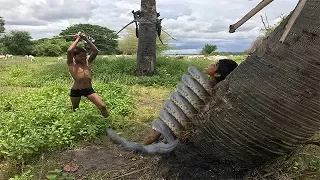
<point x="9" y="56"/>
<point x="60" y="59"/>
<point x="216" y="58"/>
<point x="31" y="58"/>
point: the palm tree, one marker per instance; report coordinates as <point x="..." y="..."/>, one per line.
<point x="146" y="54"/>
<point x="269" y="105"/>
<point x="1" y="25"/>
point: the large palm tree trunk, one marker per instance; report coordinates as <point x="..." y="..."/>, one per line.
<point x="267" y="107"/>
<point x="270" y="104"/>
<point x="1" y="25"/>
<point x="146" y="55"/>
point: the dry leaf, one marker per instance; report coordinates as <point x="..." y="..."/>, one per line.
<point x="70" y="168"/>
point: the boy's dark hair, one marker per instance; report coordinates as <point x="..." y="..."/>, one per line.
<point x="225" y="67"/>
<point x="79" y="50"/>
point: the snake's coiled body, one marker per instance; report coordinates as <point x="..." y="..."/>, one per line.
<point x="191" y="96"/>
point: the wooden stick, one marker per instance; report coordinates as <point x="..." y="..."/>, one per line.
<point x="41" y="170"/>
<point x="57" y="37"/>
<point x="292" y="19"/>
<point x="264" y="24"/>
<point x="254" y="11"/>
<point x="127" y="174"/>
<point x="168" y="34"/>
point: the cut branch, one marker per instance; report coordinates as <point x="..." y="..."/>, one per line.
<point x="264" y="24"/>
<point x="267" y="21"/>
<point x="168" y="34"/>
<point x="292" y="19"/>
<point x="254" y="11"/>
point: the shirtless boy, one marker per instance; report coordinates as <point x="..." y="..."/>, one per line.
<point x="80" y="70"/>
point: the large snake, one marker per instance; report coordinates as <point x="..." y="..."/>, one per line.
<point x="177" y="112"/>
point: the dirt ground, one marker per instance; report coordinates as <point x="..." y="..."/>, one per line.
<point x="100" y="160"/>
<point x="107" y="160"/>
<point x="110" y="162"/>
<point x="113" y="162"/>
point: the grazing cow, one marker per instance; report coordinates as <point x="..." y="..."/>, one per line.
<point x="9" y="56"/>
<point x="31" y="57"/>
<point x="60" y="59"/>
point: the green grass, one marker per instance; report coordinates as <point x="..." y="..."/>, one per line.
<point x="42" y="119"/>
<point x="47" y="72"/>
<point x="36" y="116"/>
<point x="35" y="107"/>
<point x="303" y="164"/>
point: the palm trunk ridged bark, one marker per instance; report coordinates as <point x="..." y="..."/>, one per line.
<point x="1" y="25"/>
<point x="146" y="54"/>
<point x="270" y="104"/>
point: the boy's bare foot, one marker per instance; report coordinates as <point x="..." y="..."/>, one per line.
<point x="153" y="136"/>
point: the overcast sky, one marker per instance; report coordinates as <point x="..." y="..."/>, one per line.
<point x="193" y="23"/>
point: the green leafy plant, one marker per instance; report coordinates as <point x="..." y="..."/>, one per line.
<point x="24" y="176"/>
<point x="32" y="122"/>
<point x="58" y="174"/>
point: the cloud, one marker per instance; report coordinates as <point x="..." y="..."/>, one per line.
<point x="31" y="21"/>
<point x="174" y="9"/>
<point x="192" y="23"/>
<point x="44" y="12"/>
<point x="9" y="4"/>
<point x="51" y="11"/>
<point x="211" y="21"/>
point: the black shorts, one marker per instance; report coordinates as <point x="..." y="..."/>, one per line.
<point x="81" y="92"/>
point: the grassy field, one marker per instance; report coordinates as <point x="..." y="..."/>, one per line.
<point x="36" y="116"/>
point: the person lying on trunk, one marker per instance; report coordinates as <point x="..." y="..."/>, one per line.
<point x="218" y="72"/>
<point x="80" y="69"/>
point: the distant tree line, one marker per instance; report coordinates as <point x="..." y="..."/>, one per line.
<point x="19" y="42"/>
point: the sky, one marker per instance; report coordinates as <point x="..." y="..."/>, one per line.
<point x="193" y="23"/>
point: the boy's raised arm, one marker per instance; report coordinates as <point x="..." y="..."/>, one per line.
<point x="71" y="48"/>
<point x="93" y="48"/>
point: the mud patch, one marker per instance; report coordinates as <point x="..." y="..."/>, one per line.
<point x="102" y="162"/>
<point x="184" y="163"/>
<point x="111" y="161"/>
